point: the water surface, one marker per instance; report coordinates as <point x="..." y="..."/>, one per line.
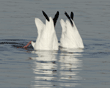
<point x="77" y="68"/>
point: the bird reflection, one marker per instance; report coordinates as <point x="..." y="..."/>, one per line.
<point x="44" y="68"/>
<point x="53" y="69"/>
<point x="70" y="66"/>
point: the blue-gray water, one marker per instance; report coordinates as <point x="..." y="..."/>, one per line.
<point x="87" y="68"/>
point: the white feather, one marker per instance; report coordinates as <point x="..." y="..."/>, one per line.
<point x="70" y="37"/>
<point x="47" y="39"/>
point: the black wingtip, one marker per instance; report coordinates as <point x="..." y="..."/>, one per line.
<point x="45" y="15"/>
<point x="72" y="15"/>
<point x="69" y="18"/>
<point x="56" y="17"/>
<point x="67" y="15"/>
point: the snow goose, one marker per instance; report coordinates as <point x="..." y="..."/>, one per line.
<point x="47" y="39"/>
<point x="70" y="37"/>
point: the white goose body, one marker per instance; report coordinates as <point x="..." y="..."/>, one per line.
<point x="70" y="37"/>
<point x="47" y="39"/>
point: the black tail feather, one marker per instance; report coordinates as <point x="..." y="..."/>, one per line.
<point x="56" y="17"/>
<point x="72" y="15"/>
<point x="45" y="15"/>
<point x="69" y="18"/>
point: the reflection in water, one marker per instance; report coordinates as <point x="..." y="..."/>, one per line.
<point x="69" y="68"/>
<point x="44" y="68"/>
<point x="52" y="70"/>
